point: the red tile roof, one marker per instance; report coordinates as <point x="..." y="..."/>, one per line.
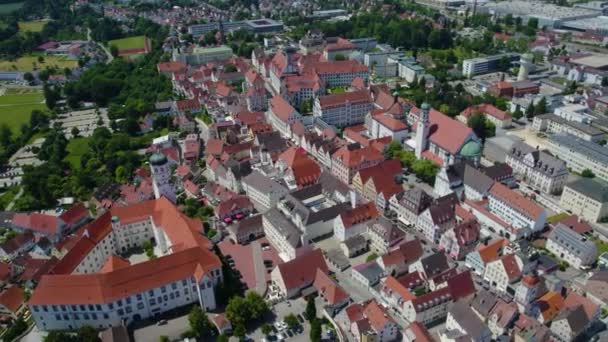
<point x="488" y="109"/>
<point x="360" y="214"/>
<point x="386" y="169"/>
<point x="492" y="250"/>
<point x="303" y="269"/>
<point x="574" y="299"/>
<point x="340" y="45"/>
<point x="330" y="290"/>
<point x="339" y="67"/>
<point x="378" y="316"/>
<point x="114" y="263"/>
<point x="305" y="170"/>
<point x="397" y="287"/>
<point x="446" y="132"/>
<point x="171" y="67"/>
<point x="74" y="214"/>
<point x="577" y="224"/>
<point x="357" y="97"/>
<point x="353" y="157"/>
<point x="390" y="122"/>
<point x="281" y="108"/>
<point x="234" y="203"/>
<point x="188" y="105"/>
<point x="39" y="223"/>
<point x="550" y="304"/>
<point x="516" y="201"/>
<point x="511" y="266"/>
<point x="12" y="298"/>
<point x="191" y="257"/>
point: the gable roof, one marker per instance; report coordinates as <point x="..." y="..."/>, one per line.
<point x="516" y="201"/>
<point x="331" y="291"/>
<point x="360" y="214"/>
<point x="446" y="132"/>
<point x="303" y="269"/>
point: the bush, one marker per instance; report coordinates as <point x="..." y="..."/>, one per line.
<point x="371" y="257"/>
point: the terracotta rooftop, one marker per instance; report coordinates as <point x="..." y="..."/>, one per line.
<point x="12" y="298"/>
<point x="360" y="214"/>
<point x="303" y="269"/>
<point x="516" y="201"/>
<point x="337" y="100"/>
<point x="330" y="290"/>
<point x="354" y="157"/>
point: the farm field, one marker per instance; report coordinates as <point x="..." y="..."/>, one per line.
<point x="32" y="26"/>
<point x="16" y="107"/>
<point x="26" y="63"/>
<point x="10" y="7"/>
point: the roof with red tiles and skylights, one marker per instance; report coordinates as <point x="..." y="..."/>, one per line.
<point x="516" y="201"/>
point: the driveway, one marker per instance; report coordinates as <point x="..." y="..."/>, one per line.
<point x="173" y="329"/>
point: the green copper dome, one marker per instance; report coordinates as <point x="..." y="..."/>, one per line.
<point x="471" y="149"/>
<point x="158" y="159"/>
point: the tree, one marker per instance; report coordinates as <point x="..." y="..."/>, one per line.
<point x="587" y="173"/>
<point x="605" y="81"/>
<point x="533" y="23"/>
<point x="40" y="59"/>
<point x="28" y="77"/>
<point x="114" y="51"/>
<point x="292" y="321"/>
<point x="51" y="96"/>
<point x="199" y="323"/>
<point x="87" y="333"/>
<point x="239" y="331"/>
<point x="163" y="338"/>
<point x="222" y="338"/>
<point x="5" y="135"/>
<point x="477" y="122"/>
<point x="75" y="132"/>
<point x="517" y="114"/>
<point x="122" y="175"/>
<point x="43" y="75"/>
<point x="257" y="305"/>
<point x="504" y="64"/>
<point x="311" y="309"/>
<point x="541" y="107"/>
<point x="339" y="57"/>
<point x="266" y="329"/>
<point x="530" y="111"/>
<point x="315" y="330"/>
<point x="230" y="68"/>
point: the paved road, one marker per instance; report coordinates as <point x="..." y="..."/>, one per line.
<point x="259" y="268"/>
<point x="12" y="203"/>
<point x="173" y="329"/>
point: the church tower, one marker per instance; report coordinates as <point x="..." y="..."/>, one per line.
<point x="161" y="177"/>
<point x="422" y="130"/>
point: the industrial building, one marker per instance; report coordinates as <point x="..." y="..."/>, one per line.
<point x="264" y="25"/>
<point x="548" y="15"/>
<point x="483" y="65"/>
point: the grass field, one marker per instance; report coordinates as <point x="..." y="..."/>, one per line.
<point x="10" y="7"/>
<point x="32" y="26"/>
<point x="76" y="148"/>
<point x="129" y="43"/>
<point x="16" y="107"/>
<point x="27" y="63"/>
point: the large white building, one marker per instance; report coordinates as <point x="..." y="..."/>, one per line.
<point x="586" y="198"/>
<point x="92" y="286"/>
<point x="161" y="177"/>
<point x="538" y="168"/>
<point x="523" y="215"/>
<point x="343" y="109"/>
<point x="580" y="154"/>
<point x="483" y="65"/>
<point x="571" y="246"/>
<point x="263" y="191"/>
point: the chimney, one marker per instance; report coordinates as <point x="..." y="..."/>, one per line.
<point x="353" y="199"/>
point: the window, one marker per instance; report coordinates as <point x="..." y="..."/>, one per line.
<point x="76" y="317"/>
<point x="58" y="317"/>
<point x="91" y="307"/>
<point x="98" y="307"/>
<point x="140" y="306"/>
<point x="165" y="298"/>
<point x="120" y="312"/>
<point x="74" y="308"/>
<point x="36" y="308"/>
<point x="45" y="308"/>
<point x="119" y="302"/>
<point x="54" y="307"/>
<point x="128" y="309"/>
<point x="152" y="301"/>
<point x="174" y="286"/>
<point x="106" y="316"/>
<point x="138" y="296"/>
<point x="163" y="289"/>
<point x="111" y="306"/>
<point x="151" y="292"/>
<point x="94" y="316"/>
<point x="86" y="316"/>
<point x="63" y="308"/>
<point x="128" y="300"/>
<point x="83" y="308"/>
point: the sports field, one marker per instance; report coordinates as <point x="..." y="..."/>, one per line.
<point x="16" y="107"/>
<point x="129" y="43"/>
<point x="27" y="63"/>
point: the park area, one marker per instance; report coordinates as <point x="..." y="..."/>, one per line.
<point x="131" y="46"/>
<point x="31" y="63"/>
<point x="16" y="105"/>
<point x="76" y="148"/>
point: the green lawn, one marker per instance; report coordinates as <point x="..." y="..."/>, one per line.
<point x="76" y="148"/>
<point x="32" y="26"/>
<point x="10" y="7"/>
<point x="16" y="108"/>
<point x="129" y="43"/>
<point x="601" y="245"/>
<point x="31" y="63"/>
<point x="557" y="217"/>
